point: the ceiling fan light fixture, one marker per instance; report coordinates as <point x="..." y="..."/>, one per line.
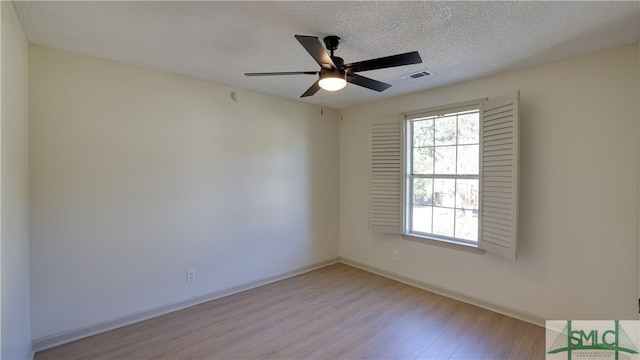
<point x="332" y="80"/>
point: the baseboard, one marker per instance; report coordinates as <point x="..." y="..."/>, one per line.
<point x="514" y="313"/>
<point x="68" y="336"/>
<point x="30" y="353"/>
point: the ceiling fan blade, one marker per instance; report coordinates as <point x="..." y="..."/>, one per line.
<point x="312" y="90"/>
<point x="315" y="48"/>
<point x="367" y="82"/>
<point x="384" y="62"/>
<point x="283" y="73"/>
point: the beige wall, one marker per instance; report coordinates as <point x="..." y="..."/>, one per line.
<point x="14" y="242"/>
<point x="137" y="175"/>
<point x="578" y="244"/>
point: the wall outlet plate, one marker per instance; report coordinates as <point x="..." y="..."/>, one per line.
<point x="191" y="275"/>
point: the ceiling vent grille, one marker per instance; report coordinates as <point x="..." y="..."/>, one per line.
<point x="416" y="75"/>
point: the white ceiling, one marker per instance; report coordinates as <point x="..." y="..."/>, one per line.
<point x="221" y="40"/>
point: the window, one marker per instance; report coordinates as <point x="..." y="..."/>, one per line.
<point x="454" y="180"/>
<point x="443" y="157"/>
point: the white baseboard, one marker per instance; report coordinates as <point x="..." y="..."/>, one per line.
<point x="30" y="353"/>
<point x="68" y="336"/>
<point x="514" y="313"/>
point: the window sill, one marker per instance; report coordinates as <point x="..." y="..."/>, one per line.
<point x="444" y="243"/>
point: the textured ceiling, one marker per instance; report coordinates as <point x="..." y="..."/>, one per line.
<point x="219" y="41"/>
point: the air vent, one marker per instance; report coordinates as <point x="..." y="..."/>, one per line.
<point x="416" y="75"/>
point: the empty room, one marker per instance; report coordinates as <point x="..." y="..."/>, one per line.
<point x="319" y="180"/>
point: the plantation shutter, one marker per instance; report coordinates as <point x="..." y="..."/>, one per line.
<point x="499" y="176"/>
<point x="386" y="185"/>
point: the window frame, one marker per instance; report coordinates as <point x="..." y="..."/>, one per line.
<point x="407" y="190"/>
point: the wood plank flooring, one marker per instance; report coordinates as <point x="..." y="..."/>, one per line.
<point x="336" y="312"/>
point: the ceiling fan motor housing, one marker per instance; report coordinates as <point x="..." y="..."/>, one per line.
<point x="333" y="73"/>
<point x="338" y="61"/>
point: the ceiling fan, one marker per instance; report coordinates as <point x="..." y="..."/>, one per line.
<point x="334" y="73"/>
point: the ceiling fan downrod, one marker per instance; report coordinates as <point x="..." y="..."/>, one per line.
<point x="331" y="42"/>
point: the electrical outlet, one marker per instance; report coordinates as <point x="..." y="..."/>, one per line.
<point x="394" y="255"/>
<point x="191" y="275"/>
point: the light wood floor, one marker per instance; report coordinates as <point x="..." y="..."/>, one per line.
<point x="336" y="312"/>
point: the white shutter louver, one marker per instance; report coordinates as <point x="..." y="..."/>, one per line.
<point x="386" y="180"/>
<point x="499" y="176"/>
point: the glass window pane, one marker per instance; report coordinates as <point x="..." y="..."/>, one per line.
<point x="468" y="160"/>
<point x="469" y="128"/>
<point x="421" y="220"/>
<point x="445" y="130"/>
<point x="422" y="190"/>
<point x="443" y="220"/>
<point x="423" y="160"/>
<point x="445" y="146"/>
<point x="422" y="133"/>
<point x="444" y="191"/>
<point x="466" y="225"/>
<point x="467" y="194"/>
<point x="445" y="160"/>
